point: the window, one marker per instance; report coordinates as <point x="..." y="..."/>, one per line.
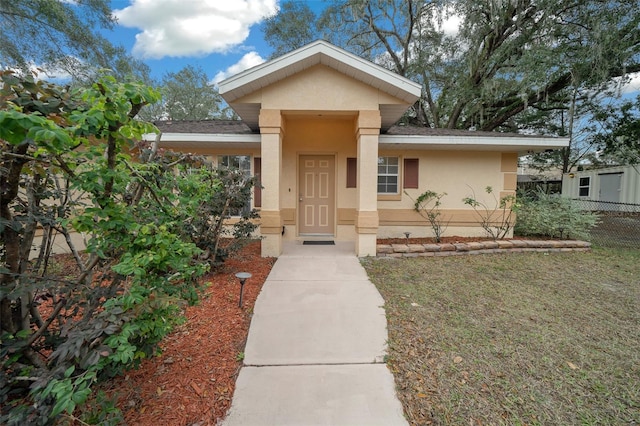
<point x="241" y="162"/>
<point x="388" y="170"/>
<point x="583" y="186"/>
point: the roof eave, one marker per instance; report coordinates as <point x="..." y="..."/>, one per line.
<point x="318" y="52"/>
<point x="522" y="145"/>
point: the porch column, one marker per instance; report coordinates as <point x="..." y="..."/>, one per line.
<point x="272" y="132"/>
<point x="367" y="132"/>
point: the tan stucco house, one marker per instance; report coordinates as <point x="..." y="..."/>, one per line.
<point x="319" y="127"/>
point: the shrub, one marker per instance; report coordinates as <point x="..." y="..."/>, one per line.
<point x="496" y="219"/>
<point x="431" y="212"/>
<point x="545" y="215"/>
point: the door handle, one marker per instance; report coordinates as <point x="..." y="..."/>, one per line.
<point x="300" y="198"/>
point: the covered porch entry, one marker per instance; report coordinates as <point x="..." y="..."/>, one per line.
<point x="319" y="111"/>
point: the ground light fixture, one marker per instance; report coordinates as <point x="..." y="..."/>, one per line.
<point x="242" y="276"/>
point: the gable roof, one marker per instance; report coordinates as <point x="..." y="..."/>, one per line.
<point x="318" y="52"/>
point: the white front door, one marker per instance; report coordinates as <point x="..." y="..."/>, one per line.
<point x="316" y="198"/>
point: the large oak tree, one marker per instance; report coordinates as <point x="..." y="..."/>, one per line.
<point x="507" y="58"/>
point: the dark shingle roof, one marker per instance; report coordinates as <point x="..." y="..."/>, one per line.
<point x="203" y="126"/>
<point x="239" y="127"/>
<point x="428" y="131"/>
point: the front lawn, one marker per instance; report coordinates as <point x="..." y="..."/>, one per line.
<point x="525" y="338"/>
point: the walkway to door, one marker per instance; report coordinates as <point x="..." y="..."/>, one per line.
<point x="316" y="345"/>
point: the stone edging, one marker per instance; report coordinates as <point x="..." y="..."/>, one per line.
<point x="480" y="247"/>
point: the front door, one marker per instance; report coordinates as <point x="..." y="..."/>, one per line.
<point x="316" y="206"/>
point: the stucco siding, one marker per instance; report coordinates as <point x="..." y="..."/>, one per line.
<point x="458" y="173"/>
<point x="319" y="88"/>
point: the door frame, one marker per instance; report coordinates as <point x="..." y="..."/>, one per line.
<point x="335" y="192"/>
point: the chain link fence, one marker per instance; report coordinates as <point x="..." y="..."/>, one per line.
<point x="619" y="223"/>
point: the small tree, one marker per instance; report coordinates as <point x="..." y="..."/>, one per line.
<point x="496" y="220"/>
<point x="431" y="212"/>
<point x="223" y="192"/>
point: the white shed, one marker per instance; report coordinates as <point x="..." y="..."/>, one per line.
<point x="620" y="184"/>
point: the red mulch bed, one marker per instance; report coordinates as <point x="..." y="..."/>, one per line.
<point x="192" y="382"/>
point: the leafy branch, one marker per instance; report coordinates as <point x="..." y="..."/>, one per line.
<point x="497" y="219"/>
<point x="428" y="206"/>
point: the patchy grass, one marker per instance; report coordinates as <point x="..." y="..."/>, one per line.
<point x="515" y="339"/>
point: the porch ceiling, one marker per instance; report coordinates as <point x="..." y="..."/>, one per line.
<point x="318" y="52"/>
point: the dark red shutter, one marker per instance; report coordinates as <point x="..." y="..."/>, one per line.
<point x="411" y="168"/>
<point x="352" y="172"/>
<point x="257" y="190"/>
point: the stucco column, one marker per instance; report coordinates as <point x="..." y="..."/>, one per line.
<point x="272" y="132"/>
<point x="367" y="132"/>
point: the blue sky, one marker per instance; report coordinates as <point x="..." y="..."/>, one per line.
<point x="223" y="37"/>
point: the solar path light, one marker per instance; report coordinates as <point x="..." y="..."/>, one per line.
<point x="242" y="276"/>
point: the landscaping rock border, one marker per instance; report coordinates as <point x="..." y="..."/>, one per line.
<point x="481" y="247"/>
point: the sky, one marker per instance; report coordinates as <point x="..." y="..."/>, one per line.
<point x="223" y="37"/>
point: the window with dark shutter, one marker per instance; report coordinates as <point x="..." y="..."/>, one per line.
<point x="411" y="173"/>
<point x="352" y="172"/>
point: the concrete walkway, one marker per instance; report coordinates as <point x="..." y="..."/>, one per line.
<point x="316" y="345"/>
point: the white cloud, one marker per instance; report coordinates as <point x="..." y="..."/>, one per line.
<point x="631" y="86"/>
<point x="191" y="27"/>
<point x="451" y="25"/>
<point x="249" y="60"/>
<point x="48" y="72"/>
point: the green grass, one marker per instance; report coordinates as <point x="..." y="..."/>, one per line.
<point x="526" y="338"/>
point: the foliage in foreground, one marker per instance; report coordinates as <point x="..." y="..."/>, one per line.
<point x="511" y="339"/>
<point x="69" y="165"/>
<point x="548" y="215"/>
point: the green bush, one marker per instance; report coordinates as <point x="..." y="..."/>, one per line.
<point x="546" y="215"/>
<point x="431" y="212"/>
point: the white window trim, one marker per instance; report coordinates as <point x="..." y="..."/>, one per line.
<point x="397" y="175"/>
<point x="588" y="186"/>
